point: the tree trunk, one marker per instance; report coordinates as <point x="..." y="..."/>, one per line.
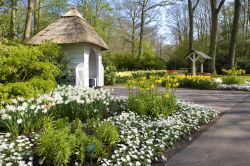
<point x="13" y="19"/>
<point x="142" y="28"/>
<point x="237" y="5"/>
<point x="213" y="32"/>
<point x="213" y="41"/>
<point x="28" y="23"/>
<point x="191" y="25"/>
<point x="37" y="16"/>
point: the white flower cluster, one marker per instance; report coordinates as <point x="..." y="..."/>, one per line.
<point x="221" y="86"/>
<point x="21" y="110"/>
<point x="144" y="140"/>
<point x="245" y="87"/>
<point x="18" y="151"/>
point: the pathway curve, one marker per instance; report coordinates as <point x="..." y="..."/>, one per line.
<point x="227" y="142"/>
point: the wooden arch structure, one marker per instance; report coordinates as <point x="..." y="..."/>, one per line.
<point x="195" y="56"/>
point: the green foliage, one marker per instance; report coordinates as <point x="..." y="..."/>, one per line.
<point x="107" y="133"/>
<point x="99" y="150"/>
<point x="55" y="145"/>
<point x="109" y="73"/>
<point x="178" y="54"/>
<point x="28" y="89"/>
<point x="28" y="70"/>
<point x="198" y="84"/>
<point x="21" y="63"/>
<point x="129" y="62"/>
<point x="81" y="141"/>
<point x="152" y="104"/>
<point x="234" y="72"/>
<point x="232" y="79"/>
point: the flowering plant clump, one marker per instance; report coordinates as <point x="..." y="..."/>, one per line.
<point x="24" y="116"/>
<point x="197" y="82"/>
<point x="122" y="77"/>
<point x="145" y="139"/>
<point x="234" y="72"/>
<point x="18" y="151"/>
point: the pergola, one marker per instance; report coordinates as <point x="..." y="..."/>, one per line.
<point x="195" y="56"/>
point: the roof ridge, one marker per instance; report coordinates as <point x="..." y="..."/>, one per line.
<point x="73" y="12"/>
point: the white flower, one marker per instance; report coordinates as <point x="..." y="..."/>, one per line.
<point x="6" y="117"/>
<point x="19" y="121"/>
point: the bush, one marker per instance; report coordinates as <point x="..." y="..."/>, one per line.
<point x="28" y="89"/>
<point x="231" y="80"/>
<point x="125" y="62"/>
<point x="152" y="104"/>
<point x="107" y="133"/>
<point x="109" y="73"/>
<point x="55" y="145"/>
<point x="28" y="70"/>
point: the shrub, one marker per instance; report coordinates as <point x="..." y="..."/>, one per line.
<point x="28" y="89"/>
<point x="152" y="104"/>
<point x="55" y="145"/>
<point x="232" y="79"/>
<point x="109" y="73"/>
<point x="124" y="61"/>
<point x="107" y="133"/>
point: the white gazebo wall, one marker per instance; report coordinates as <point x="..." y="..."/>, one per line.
<point x="91" y="57"/>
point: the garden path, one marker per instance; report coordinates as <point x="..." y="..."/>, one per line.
<point x="227" y="142"/>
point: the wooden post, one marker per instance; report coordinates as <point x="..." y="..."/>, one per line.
<point x="194" y="67"/>
<point x="202" y="67"/>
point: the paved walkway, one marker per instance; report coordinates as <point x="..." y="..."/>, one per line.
<point x="227" y="142"/>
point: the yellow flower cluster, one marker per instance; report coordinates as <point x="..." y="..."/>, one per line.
<point x="138" y="72"/>
<point x="195" y="78"/>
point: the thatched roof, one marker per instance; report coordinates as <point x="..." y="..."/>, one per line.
<point x="202" y="54"/>
<point x="70" y="28"/>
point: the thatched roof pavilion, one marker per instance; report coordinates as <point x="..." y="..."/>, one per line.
<point x="70" y="28"/>
<point x="81" y="43"/>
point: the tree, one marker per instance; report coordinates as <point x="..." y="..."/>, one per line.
<point x="28" y="22"/>
<point x="191" y="10"/>
<point x="13" y="19"/>
<point x="214" y="32"/>
<point x="237" y="5"/>
<point x="146" y="6"/>
<point x="37" y="14"/>
<point x="129" y="22"/>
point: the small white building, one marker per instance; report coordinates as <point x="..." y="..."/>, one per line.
<point x="80" y="43"/>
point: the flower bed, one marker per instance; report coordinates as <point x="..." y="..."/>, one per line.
<point x="75" y="125"/>
<point x="144" y="140"/>
<point x="123" y="77"/>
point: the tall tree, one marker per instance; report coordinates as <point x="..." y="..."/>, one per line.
<point x="214" y="32"/>
<point x="146" y="6"/>
<point x="37" y="14"/>
<point x="28" y="22"/>
<point x="191" y="10"/>
<point x="237" y="6"/>
<point x="129" y="22"/>
<point x="13" y="19"/>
